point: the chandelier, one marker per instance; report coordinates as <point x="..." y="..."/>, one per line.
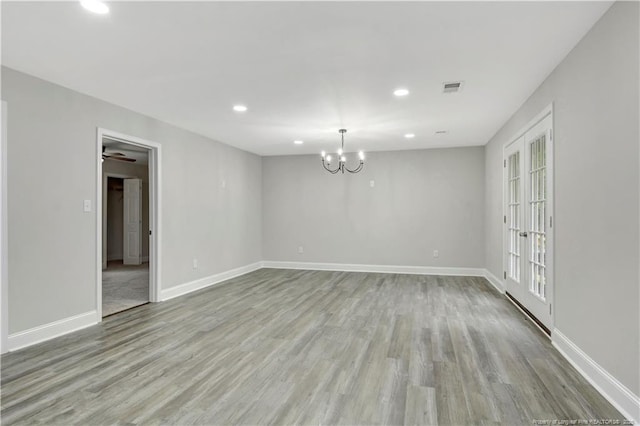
<point x="341" y="167"/>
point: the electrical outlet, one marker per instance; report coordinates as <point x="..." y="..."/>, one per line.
<point x="195" y="263"/>
<point x="372" y="183"/>
<point x="436" y="253"/>
<point x="223" y="184"/>
<point x="87" y="205"/>
<point x="300" y="249"/>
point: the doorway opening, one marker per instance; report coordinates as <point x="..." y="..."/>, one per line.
<point x="128" y="217"/>
<point x="125" y="275"/>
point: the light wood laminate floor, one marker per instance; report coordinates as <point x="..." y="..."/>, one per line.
<point x="305" y="347"/>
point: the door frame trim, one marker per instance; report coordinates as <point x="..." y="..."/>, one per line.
<point x="548" y="111"/>
<point x="155" y="212"/>
<point x="4" y="241"/>
<point x="107" y="175"/>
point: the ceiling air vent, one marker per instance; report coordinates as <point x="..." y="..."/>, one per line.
<point x="452" y="86"/>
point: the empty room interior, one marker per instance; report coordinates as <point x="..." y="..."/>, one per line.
<point x="320" y="213"/>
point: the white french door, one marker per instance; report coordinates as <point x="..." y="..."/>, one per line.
<point x="528" y="220"/>
<point x="514" y="190"/>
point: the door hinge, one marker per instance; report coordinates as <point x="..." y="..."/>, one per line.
<point x="549" y="308"/>
<point x="505" y="219"/>
<point x="505" y="275"/>
<point x="551" y="134"/>
<point x="149" y="231"/>
<point x="505" y="163"/>
<point x="550" y="221"/>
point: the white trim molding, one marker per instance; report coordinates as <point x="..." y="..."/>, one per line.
<point x="205" y="282"/>
<point x="548" y="110"/>
<point x="494" y="281"/>
<point x="45" y="332"/>
<point x="384" y="269"/>
<point x="4" y="245"/>
<point x="615" y="392"/>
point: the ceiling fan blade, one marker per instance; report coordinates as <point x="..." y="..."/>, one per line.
<point x="117" y="158"/>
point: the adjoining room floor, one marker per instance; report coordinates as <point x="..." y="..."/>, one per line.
<point x="124" y="286"/>
<point x="305" y="347"/>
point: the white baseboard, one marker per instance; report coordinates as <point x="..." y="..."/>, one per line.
<point x="615" y="392"/>
<point x="494" y="281"/>
<point x="201" y="283"/>
<point x="45" y="332"/>
<point x="385" y="269"/>
<point x="143" y="259"/>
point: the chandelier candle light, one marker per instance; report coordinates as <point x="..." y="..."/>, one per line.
<point x="326" y="159"/>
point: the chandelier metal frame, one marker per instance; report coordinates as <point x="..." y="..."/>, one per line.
<point x="326" y="159"/>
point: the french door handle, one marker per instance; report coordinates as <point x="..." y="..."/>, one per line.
<point x="523" y="234"/>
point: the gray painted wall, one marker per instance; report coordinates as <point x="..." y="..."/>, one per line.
<point x="52" y="169"/>
<point x="595" y="94"/>
<point x="422" y="201"/>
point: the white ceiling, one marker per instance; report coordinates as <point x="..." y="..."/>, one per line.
<point x="304" y="69"/>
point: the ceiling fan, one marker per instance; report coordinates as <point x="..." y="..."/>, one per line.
<point x="115" y="156"/>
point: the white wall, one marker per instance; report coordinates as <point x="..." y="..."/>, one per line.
<point x="422" y="201"/>
<point x="595" y="94"/>
<point x="52" y="242"/>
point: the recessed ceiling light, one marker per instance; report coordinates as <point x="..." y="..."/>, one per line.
<point x="95" y="6"/>
<point x="409" y="136"/>
<point x="401" y="92"/>
<point x="298" y="142"/>
<point x="239" y="108"/>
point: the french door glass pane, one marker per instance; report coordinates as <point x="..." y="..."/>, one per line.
<point x="537" y="213"/>
<point x="514" y="216"/>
